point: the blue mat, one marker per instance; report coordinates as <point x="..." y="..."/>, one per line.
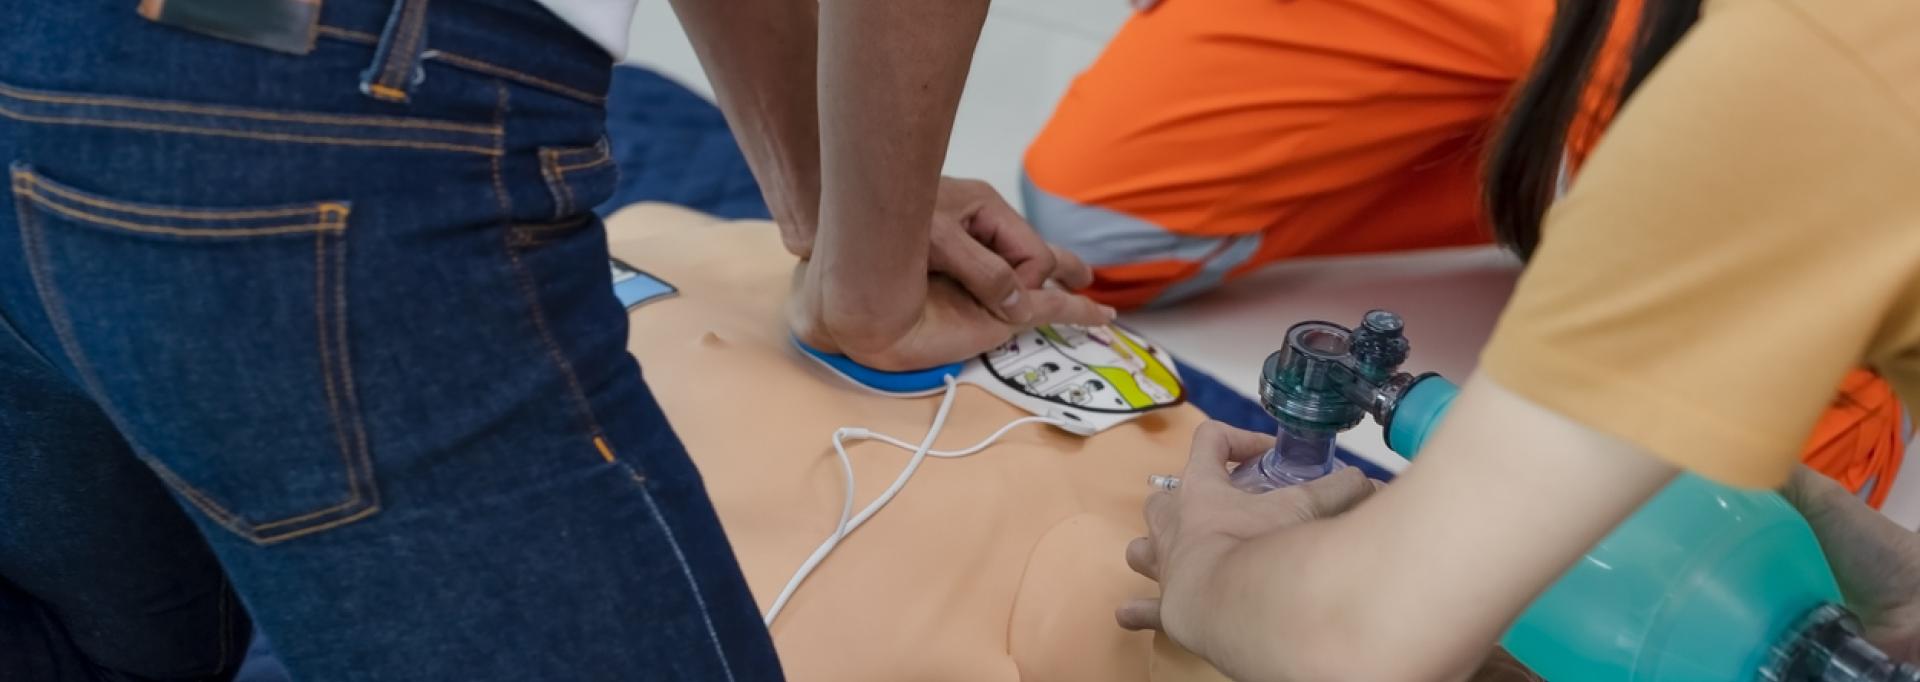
<point x="673" y="146"/>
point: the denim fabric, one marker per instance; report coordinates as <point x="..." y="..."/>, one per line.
<point x="94" y="579"/>
<point x="362" y="350"/>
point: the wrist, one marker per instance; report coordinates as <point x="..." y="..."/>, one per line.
<point x="1201" y="584"/>
<point x="1286" y="613"/>
<point x="831" y="317"/>
<point x="868" y="327"/>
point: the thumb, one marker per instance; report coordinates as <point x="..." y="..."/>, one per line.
<point x="1335" y="493"/>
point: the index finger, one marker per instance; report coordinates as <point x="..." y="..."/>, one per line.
<point x="1056" y="306"/>
<point x="1069" y="270"/>
<point x="1009" y="234"/>
<point x="984" y="274"/>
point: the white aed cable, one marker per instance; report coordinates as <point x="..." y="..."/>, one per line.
<point x="848" y="522"/>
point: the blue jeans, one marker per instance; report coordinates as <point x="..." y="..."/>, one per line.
<point x="346" y="359"/>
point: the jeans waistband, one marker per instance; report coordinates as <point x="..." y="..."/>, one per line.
<point x="518" y="40"/>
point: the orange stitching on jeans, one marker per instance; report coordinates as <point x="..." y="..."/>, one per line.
<point x="406" y="42"/>
<point x="399" y="53"/>
<point x="253" y="532"/>
<point x="531" y="235"/>
<point x="354" y="483"/>
<point x="567" y="189"/>
<point x="352" y="393"/>
<point x="557" y="185"/>
<point x="77" y="214"/>
<point x="471" y="64"/>
<point x="546" y="228"/>
<point x="594" y="151"/>
<point x="499" y="184"/>
<point x="553" y="183"/>
<point x="604" y="158"/>
<point x="55" y="307"/>
<point x="235" y="112"/>
<point x="334" y="212"/>
<point x="510" y="74"/>
<point x="529" y="291"/>
<point x="605" y="451"/>
<point x="388" y="92"/>
<point x="218" y="132"/>
<point x="309" y="530"/>
<point x="348" y="35"/>
<point x="36" y="182"/>
<point x="552" y="166"/>
<point x="212" y="509"/>
<point x="320" y="329"/>
<point x="539" y="315"/>
<point x="326" y="360"/>
<point x="30" y="236"/>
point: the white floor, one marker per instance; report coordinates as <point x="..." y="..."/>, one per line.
<point x="1029" y="53"/>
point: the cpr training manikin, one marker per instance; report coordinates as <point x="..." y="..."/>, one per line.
<point x="1003" y="566"/>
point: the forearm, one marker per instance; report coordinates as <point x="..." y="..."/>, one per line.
<point x="891" y="72"/>
<point x="1420" y="581"/>
<point x="760" y="56"/>
<point x="1299" y="606"/>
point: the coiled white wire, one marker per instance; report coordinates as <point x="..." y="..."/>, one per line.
<point x="849" y="522"/>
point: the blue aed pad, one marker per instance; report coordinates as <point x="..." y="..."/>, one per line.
<point x="635" y="288"/>
<point x="899" y="384"/>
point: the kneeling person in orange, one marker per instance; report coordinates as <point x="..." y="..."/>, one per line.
<point x="1213" y="138"/>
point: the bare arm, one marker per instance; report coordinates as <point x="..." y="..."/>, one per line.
<point x="844" y="114"/>
<point x="891" y="72"/>
<point x="760" y="57"/>
<point x="1432" y="568"/>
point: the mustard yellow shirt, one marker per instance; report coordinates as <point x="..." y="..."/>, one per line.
<point x="1747" y="232"/>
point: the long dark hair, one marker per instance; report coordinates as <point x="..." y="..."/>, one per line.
<point x="1523" y="171"/>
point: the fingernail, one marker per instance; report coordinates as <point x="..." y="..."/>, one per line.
<point x="1110" y="312"/>
<point x="1010" y="308"/>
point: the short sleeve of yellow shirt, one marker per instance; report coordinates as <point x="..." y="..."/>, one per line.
<point x="1747" y="231"/>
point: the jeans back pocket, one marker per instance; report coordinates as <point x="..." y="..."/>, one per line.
<point x="216" y="338"/>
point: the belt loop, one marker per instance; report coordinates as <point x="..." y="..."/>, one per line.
<point x="396" y="60"/>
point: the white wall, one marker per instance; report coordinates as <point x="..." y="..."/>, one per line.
<point x="1029" y="52"/>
